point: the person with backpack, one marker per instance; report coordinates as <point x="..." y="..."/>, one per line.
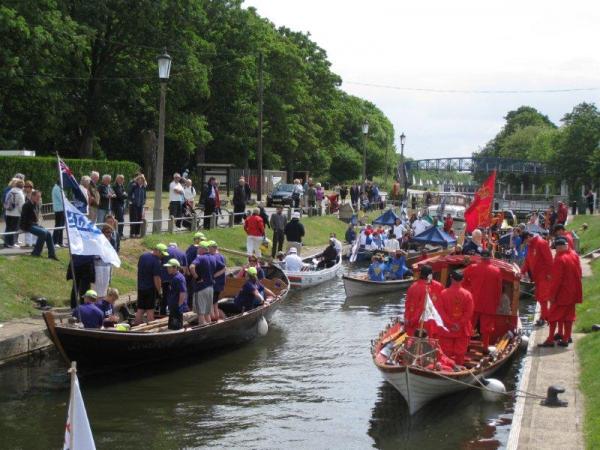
<point x="13" y="203"/>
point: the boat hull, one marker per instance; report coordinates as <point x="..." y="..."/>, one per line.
<point x="356" y="287"/>
<point x="308" y="279"/>
<point x="106" y="349"/>
<point x="113" y="348"/>
<point x="418" y="389"/>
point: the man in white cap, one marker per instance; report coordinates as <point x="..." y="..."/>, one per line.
<point x="293" y="262"/>
<point x="89" y="314"/>
<point x="294" y="232"/>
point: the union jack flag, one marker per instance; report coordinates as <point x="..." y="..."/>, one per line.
<point x="69" y="181"/>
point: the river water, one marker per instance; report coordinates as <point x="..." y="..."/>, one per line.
<point x="310" y="384"/>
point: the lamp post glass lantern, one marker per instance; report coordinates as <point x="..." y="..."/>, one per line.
<point x="164" y="66"/>
<point x="164" y="70"/>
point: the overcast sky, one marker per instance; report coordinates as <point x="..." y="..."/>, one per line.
<point x="453" y="45"/>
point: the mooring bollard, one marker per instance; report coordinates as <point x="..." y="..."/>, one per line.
<point x="143" y="228"/>
<point x="213" y="220"/>
<point x="171" y="225"/>
<point x="194" y="227"/>
<point x="231" y="219"/>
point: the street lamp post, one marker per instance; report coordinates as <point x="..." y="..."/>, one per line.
<point x="164" y="69"/>
<point x="402" y="141"/>
<point x="365" y="131"/>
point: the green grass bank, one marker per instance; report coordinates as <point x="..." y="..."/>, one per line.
<point x="588" y="313"/>
<point x="24" y="277"/>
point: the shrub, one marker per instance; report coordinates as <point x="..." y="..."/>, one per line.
<point x="43" y="171"/>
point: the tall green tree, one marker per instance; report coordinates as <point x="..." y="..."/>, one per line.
<point x="578" y="153"/>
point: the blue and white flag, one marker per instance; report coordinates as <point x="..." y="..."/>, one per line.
<point x="86" y="239"/>
<point x="70" y="182"/>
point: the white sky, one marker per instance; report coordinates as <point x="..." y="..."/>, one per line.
<point x="464" y="45"/>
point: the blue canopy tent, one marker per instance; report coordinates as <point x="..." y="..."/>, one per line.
<point x="387" y="218"/>
<point x="435" y="236"/>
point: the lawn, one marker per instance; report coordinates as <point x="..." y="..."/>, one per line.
<point x="25" y="277"/>
<point x="588" y="348"/>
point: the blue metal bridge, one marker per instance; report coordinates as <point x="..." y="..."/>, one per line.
<point x="480" y="164"/>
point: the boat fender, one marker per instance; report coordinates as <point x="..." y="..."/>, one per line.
<point x="493" y="389"/>
<point x="524" y="342"/>
<point x="263" y="326"/>
<point x="493" y="351"/>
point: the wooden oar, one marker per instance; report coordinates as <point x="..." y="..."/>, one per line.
<point x="158" y="323"/>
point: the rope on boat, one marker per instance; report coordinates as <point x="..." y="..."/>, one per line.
<point x="483" y="387"/>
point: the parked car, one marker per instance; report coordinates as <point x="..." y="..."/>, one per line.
<point x="281" y="195"/>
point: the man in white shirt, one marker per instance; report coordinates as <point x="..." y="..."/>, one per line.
<point x="175" y="197"/>
<point x="398" y="228"/>
<point x="392" y="244"/>
<point x="293" y="262"/>
<point x="420" y="225"/>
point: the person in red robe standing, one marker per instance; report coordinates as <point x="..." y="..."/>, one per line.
<point x="484" y="281"/>
<point x="562" y="213"/>
<point x="559" y="231"/>
<point x="448" y="223"/>
<point x="415" y="301"/>
<point x="538" y="264"/>
<point x="456" y="308"/>
<point x="565" y="292"/>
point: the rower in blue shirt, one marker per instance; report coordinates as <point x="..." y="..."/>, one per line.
<point x="396" y="267"/>
<point x="176" y="294"/>
<point x="376" y="269"/>
<point x="106" y="305"/>
<point x="89" y="314"/>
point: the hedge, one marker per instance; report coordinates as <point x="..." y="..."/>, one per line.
<point x="43" y="171"/>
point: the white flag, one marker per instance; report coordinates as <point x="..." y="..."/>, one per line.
<point x="430" y="313"/>
<point x="78" y="434"/>
<point x="86" y="239"/>
<point x="355" y="247"/>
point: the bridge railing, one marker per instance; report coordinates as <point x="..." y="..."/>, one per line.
<point x="481" y="164"/>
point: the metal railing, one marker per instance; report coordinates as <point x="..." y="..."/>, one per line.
<point x="194" y="222"/>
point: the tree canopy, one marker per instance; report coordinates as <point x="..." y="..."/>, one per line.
<point x="80" y="77"/>
<point x="573" y="147"/>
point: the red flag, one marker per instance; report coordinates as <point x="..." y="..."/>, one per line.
<point x="478" y="214"/>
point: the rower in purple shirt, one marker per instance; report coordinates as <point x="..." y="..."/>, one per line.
<point x="219" y="277"/>
<point x="202" y="270"/>
<point x="88" y="313"/>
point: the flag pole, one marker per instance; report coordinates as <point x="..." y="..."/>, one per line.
<point x="73" y="372"/>
<point x="421" y="323"/>
<point x="62" y="193"/>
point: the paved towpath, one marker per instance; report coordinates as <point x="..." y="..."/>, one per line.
<point x="541" y="427"/>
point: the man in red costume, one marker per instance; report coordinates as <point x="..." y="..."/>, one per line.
<point x="456" y="308"/>
<point x="415" y="301"/>
<point x="484" y="280"/>
<point x="565" y="291"/>
<point x="559" y="231"/>
<point x="562" y="213"/>
<point x="538" y="264"/>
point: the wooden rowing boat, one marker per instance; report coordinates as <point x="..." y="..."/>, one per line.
<point x="313" y="277"/>
<point x="146" y="343"/>
<point x="411" y="364"/>
<point x="365" y="254"/>
<point x="360" y="285"/>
